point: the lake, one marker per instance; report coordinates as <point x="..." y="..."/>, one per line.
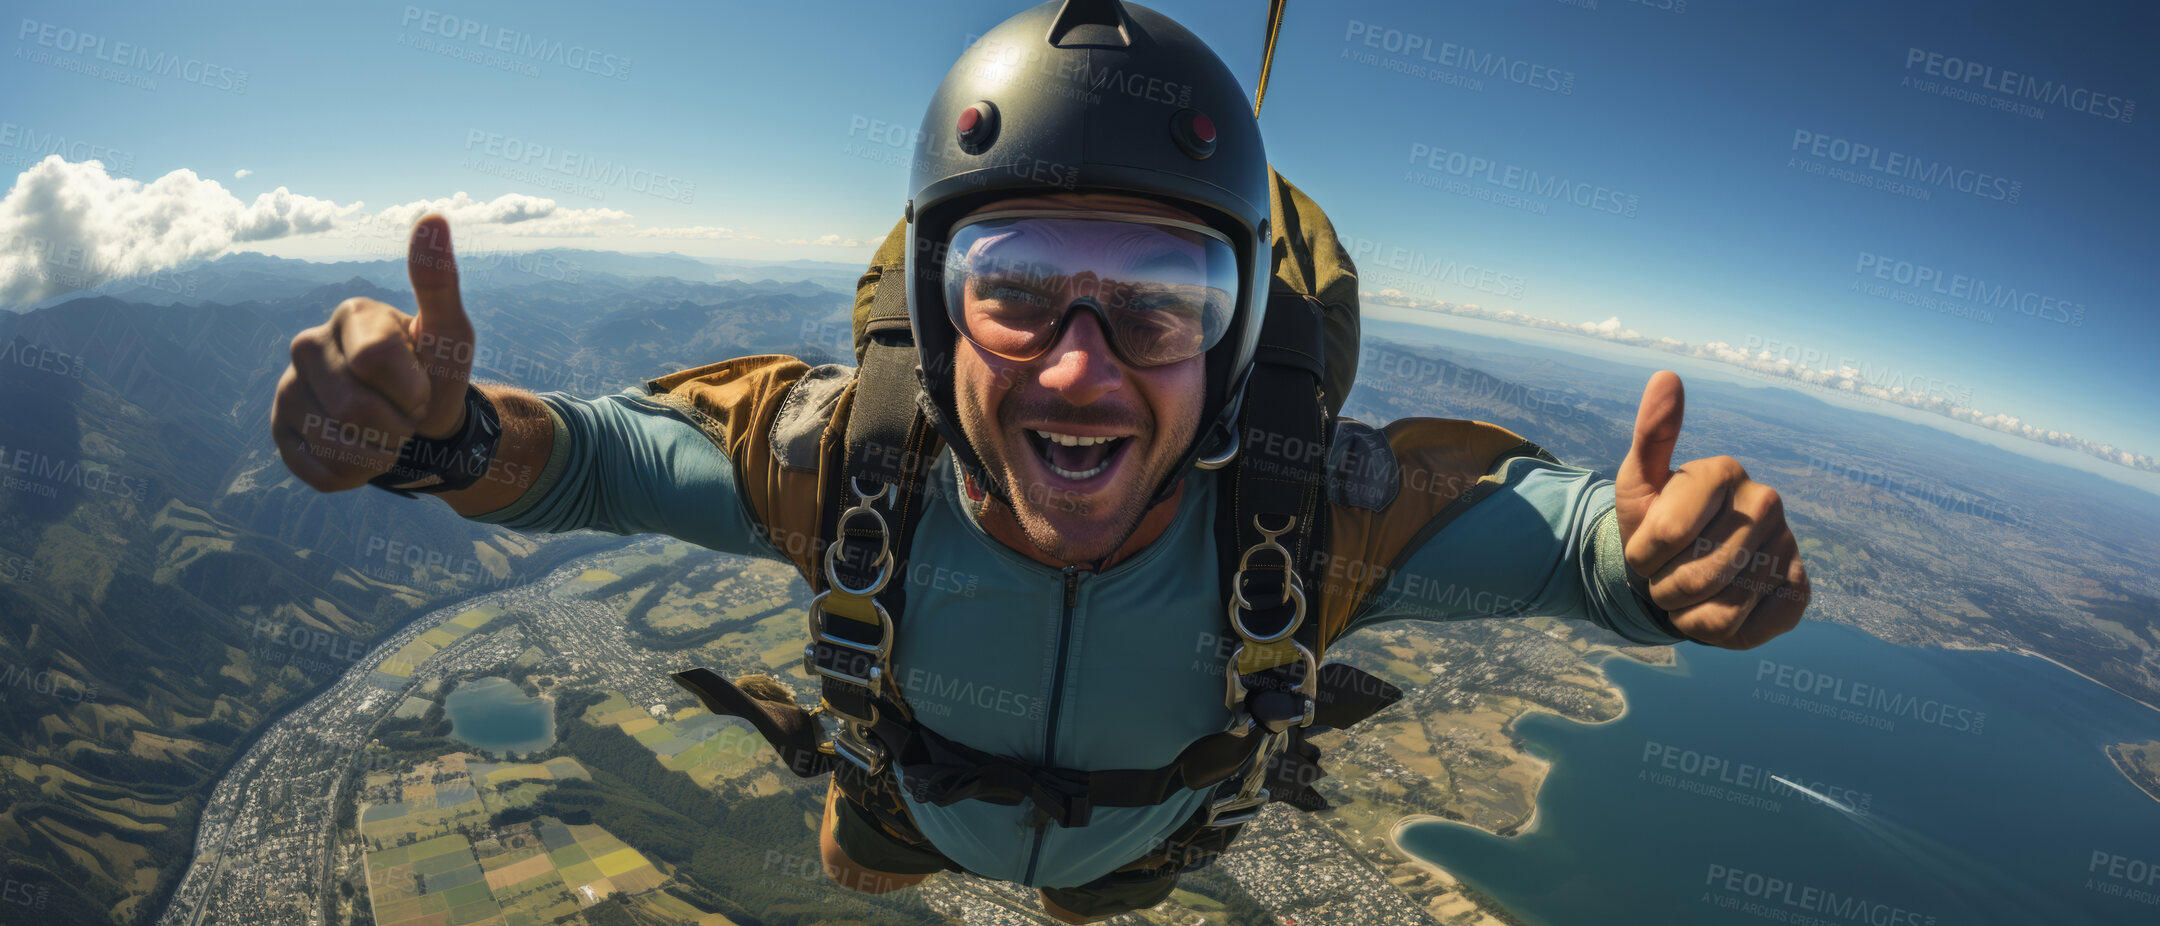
<point x="493" y="714"/>
<point x="1950" y="788"/>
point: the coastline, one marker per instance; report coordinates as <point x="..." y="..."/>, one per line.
<point x="1530" y="823"/>
<point x="2139" y="762"/>
<point x="1394" y="838"/>
<point x="1618" y="694"/>
<point x="1543" y="770"/>
<point x="2019" y="650"/>
<point x="1544" y="767"/>
<point x="1447" y="880"/>
<point x="2122" y="766"/>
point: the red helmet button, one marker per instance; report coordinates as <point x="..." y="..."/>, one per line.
<point x="977" y="127"/>
<point x="1194" y="133"/>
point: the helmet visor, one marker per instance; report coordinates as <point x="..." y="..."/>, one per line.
<point x="1163" y="289"/>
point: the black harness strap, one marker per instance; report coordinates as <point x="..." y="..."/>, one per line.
<point x="889" y="447"/>
<point x="1275" y="511"/>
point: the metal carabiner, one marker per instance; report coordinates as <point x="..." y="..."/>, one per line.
<point x="1234" y="691"/>
<point x="1293" y="584"/>
<point x="1246" y="804"/>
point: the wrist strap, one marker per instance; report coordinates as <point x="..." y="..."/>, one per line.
<point x="454" y="462"/>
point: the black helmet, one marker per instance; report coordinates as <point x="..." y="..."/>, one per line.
<point x="1090" y="96"/>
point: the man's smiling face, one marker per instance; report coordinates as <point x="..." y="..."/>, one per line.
<point x="1079" y="438"/>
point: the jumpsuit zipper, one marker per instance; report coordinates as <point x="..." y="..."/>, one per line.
<point x="1057" y="687"/>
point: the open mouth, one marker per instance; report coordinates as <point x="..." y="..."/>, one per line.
<point x="1075" y="457"/>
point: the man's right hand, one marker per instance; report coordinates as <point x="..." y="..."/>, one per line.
<point x="372" y="376"/>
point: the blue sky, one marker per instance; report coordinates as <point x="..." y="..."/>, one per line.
<point x="763" y="119"/>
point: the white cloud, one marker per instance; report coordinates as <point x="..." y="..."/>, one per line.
<point x="69" y="225"/>
<point x="516" y="214"/>
<point x="1844" y="377"/>
<point x="281" y="212"/>
<point x="694" y="231"/>
<point x="242" y="174"/>
<point x="839" y="242"/>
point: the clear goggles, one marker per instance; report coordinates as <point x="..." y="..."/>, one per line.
<point x="1163" y="290"/>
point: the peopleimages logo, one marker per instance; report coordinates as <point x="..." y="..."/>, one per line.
<point x="1775" y="898"/>
<point x="1080" y="78"/>
<point x="1373" y="260"/>
<point x="1744" y="783"/>
<point x="24" y="893"/>
<point x="512" y="42"/>
<point x="1970" y="289"/>
<point x="116" y="60"/>
<point x="1442" y="58"/>
<point x="39" y="145"/>
<point x="582" y="171"/>
<point x="1518" y="179"/>
<point x="45" y="683"/>
<point x="2021" y="86"/>
<point x="1926" y="493"/>
<point x="1903" y="166"/>
<point x="95" y="477"/>
<point x="1855" y="701"/>
<point x="934" y="693"/>
<point x="41" y="359"/>
<point x="310" y="641"/>
<point x="2123" y="876"/>
<point x="17" y="568"/>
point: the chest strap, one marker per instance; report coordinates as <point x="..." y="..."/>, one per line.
<point x="941" y="771"/>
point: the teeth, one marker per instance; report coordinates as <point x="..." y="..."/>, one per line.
<point x="1074" y="441"/>
<point x="1088" y="474"/>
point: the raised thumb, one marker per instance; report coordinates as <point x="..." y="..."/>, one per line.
<point x="1657" y="428"/>
<point x="442" y="335"/>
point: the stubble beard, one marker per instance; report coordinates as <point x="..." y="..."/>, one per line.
<point x="1104" y="531"/>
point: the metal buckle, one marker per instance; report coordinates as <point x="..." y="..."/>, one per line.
<point x="1231" y="811"/>
<point x="1222" y="458"/>
<point x="1234" y="691"/>
<point x="881" y="652"/>
<point x="1243" y="806"/>
<point x="850" y="743"/>
<point x="1293" y="585"/>
<point x="868" y="497"/>
<point x="884" y="559"/>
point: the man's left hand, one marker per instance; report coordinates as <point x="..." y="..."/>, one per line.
<point x="1712" y="542"/>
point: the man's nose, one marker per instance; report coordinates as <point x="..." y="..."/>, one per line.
<point x="1080" y="366"/>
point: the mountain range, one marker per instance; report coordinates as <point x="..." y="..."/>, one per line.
<point x="168" y="588"/>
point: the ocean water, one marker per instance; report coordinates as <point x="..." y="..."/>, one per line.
<point x="1948" y="788"/>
